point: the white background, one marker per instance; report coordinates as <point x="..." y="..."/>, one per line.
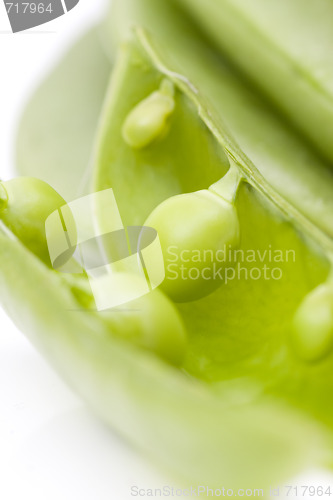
<point x="51" y="446"/>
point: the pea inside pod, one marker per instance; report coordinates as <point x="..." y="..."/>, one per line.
<point x="148" y="120"/>
<point x="25" y="204"/>
<point x="198" y="233"/>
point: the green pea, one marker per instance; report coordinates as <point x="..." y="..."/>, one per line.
<point x="313" y="325"/>
<point x="151" y="321"/>
<point x="148" y="120"/>
<point x="196" y="232"/>
<point x="25" y="204"/>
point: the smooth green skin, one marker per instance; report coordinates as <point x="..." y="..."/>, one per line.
<point x="194" y="222"/>
<point x="285" y="48"/>
<point x="29" y="203"/>
<point x="173" y="419"/>
<point x="313" y="325"/>
<point x="57" y="127"/>
<point x="148" y="120"/>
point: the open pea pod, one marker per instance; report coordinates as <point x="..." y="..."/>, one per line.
<point x="286" y="50"/>
<point x="174" y="419"/>
<point x="252" y="374"/>
<point x="283" y="158"/>
<point x="241" y="338"/>
<point x="45" y="150"/>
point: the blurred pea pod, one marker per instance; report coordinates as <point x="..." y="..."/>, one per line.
<point x="161" y="143"/>
<point x="59" y="121"/>
<point x="285" y="47"/>
<point x="174" y="419"/>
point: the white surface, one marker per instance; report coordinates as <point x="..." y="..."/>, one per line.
<point x="51" y="446"/>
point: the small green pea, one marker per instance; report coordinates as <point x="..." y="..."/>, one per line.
<point x="196" y="232"/>
<point x="312" y="335"/>
<point x="148" y="120"/>
<point x="151" y="321"/>
<point x="25" y="204"/>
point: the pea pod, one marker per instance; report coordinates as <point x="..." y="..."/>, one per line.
<point x="155" y="406"/>
<point x="239" y="337"/>
<point x="283" y="158"/>
<point x="236" y="331"/>
<point x="25" y="204"/>
<point x="285" y="48"/>
<point x="57" y="127"/>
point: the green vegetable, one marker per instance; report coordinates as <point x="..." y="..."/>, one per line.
<point x="174" y="419"/>
<point x="313" y="325"/>
<point x="283" y="158"/>
<point x="243" y="328"/>
<point x="152" y="321"/>
<point x="25" y="204"/>
<point x="285" y="47"/>
<point x="57" y="128"/>
<point x="196" y="230"/>
<point x="148" y="120"/>
<point x="244" y="405"/>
